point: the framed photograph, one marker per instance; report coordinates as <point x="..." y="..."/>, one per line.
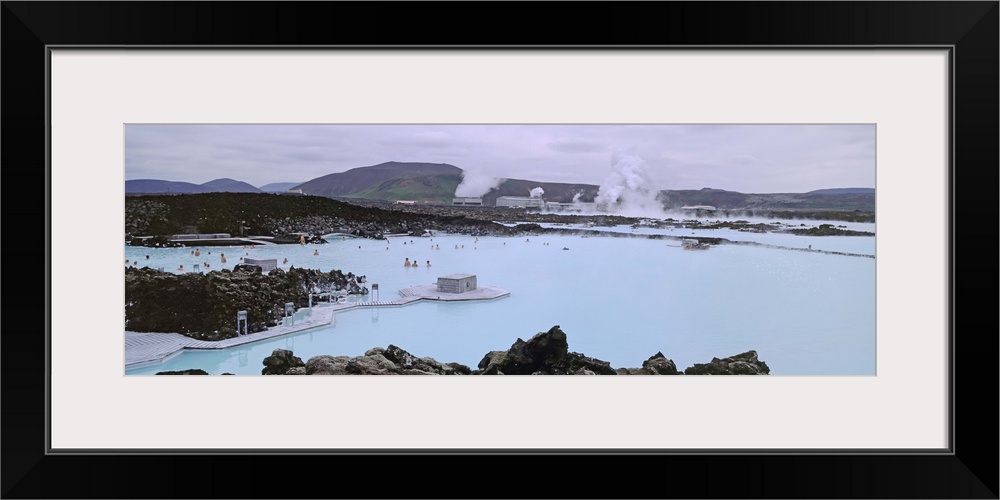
<point x="534" y="223"/>
<point x="890" y="104"/>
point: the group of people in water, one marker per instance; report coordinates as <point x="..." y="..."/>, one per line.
<point x="222" y="256"/>
<point x="205" y="264"/>
<point x="196" y="252"/>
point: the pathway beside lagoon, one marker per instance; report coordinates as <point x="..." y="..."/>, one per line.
<point x="145" y="349"/>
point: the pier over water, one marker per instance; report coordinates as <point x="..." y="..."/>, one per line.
<point x="145" y="349"/>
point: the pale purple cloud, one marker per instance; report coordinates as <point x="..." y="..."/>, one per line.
<point x="748" y="158"/>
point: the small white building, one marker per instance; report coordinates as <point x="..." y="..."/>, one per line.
<point x="689" y="244"/>
<point x="467" y="201"/>
<point x="456" y="283"/>
<point x="211" y="236"/>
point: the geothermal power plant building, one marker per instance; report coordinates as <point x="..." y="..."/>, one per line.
<point x="520" y="202"/>
<point x="527" y="202"/>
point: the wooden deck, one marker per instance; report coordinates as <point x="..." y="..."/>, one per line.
<point x="144" y="349"/>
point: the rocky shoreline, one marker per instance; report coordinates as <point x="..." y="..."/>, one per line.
<point x="506" y="214"/>
<point x="546" y="353"/>
<point x="151" y="219"/>
<point x="202" y="306"/>
<point x="285" y="218"/>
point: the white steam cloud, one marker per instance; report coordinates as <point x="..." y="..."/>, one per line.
<point x="537" y="192"/>
<point x="627" y="191"/>
<point x="476" y="184"/>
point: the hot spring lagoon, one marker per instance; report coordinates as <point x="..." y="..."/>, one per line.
<point x="618" y="299"/>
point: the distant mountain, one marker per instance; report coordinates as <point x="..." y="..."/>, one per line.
<point x="390" y="181"/>
<point x="436" y="182"/>
<point x="824" y="199"/>
<point x="554" y="191"/>
<point x="226" y="185"/>
<point x="278" y="187"/>
<point x="157" y="186"/>
<point x="844" y="191"/>
<point x="719" y="198"/>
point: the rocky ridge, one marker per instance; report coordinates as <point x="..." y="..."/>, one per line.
<point x="153" y="298"/>
<point x="546" y="353"/>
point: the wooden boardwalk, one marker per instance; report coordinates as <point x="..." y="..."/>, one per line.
<point x="233" y="241"/>
<point x="144" y="349"/>
<point x="797" y="249"/>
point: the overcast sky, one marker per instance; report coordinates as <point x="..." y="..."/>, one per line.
<point x="745" y="158"/>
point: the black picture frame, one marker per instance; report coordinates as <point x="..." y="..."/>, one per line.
<point x="970" y="29"/>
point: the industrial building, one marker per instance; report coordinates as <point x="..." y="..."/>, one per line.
<point x="520" y="202"/>
<point x="552" y="206"/>
<point x="467" y="202"/>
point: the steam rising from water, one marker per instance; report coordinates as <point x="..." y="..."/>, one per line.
<point x="537" y="192"/>
<point x="627" y="190"/>
<point x="475" y="184"/>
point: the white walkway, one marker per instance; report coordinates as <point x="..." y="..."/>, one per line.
<point x="149" y="348"/>
<point x="143" y="348"/>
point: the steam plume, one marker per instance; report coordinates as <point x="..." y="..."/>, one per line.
<point x="475" y="184"/>
<point x="626" y="190"/>
<point x="537" y="192"/>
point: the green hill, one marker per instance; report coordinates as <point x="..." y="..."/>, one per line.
<point x="437" y="188"/>
<point x="389" y="181"/>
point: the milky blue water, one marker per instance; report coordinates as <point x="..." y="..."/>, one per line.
<point x="618" y="299"/>
<point x="848" y="244"/>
